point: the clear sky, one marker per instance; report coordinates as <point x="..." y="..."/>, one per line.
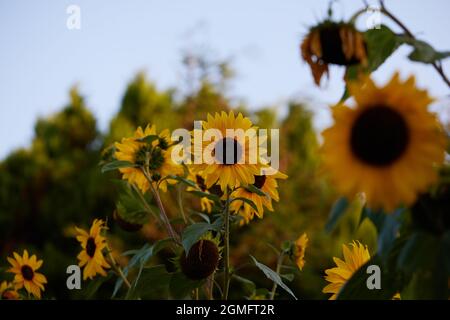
<point x="40" y="59"/>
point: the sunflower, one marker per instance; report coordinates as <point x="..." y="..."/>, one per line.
<point x="299" y="249"/>
<point x="387" y="146"/>
<point x="91" y="257"/>
<point x="354" y="257"/>
<point x="226" y="172"/>
<point x="332" y="43"/>
<point x="24" y="268"/>
<point x="8" y="291"/>
<point x="267" y="184"/>
<point x="205" y="203"/>
<point x="155" y="154"/>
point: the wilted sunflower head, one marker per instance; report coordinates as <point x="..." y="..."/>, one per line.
<point x="202" y="259"/>
<point x="388" y="145"/>
<point x="331" y="42"/>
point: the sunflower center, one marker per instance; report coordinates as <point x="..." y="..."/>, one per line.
<point x="228" y="151"/>
<point x="259" y="181"/>
<point x="379" y="136"/>
<point x="91" y="247"/>
<point x="200" y="182"/>
<point x="331" y="45"/>
<point x="154" y="154"/>
<point x="27" y="272"/>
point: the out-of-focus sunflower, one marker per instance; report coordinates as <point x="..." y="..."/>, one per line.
<point x="332" y="43"/>
<point x="93" y="243"/>
<point x="226" y="172"/>
<point x="267" y="184"/>
<point x="8" y="291"/>
<point x="354" y="257"/>
<point x="205" y="203"/>
<point x="299" y="249"/>
<point x="156" y="154"/>
<point x="24" y="268"/>
<point x="387" y="146"/>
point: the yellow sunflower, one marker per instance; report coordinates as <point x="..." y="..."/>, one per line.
<point x="332" y="43"/>
<point x="267" y="184"/>
<point x="24" y="268"/>
<point x="93" y="243"/>
<point x="157" y="155"/>
<point x="8" y="291"/>
<point x="299" y="249"/>
<point x="354" y="257"/>
<point x="387" y="146"/>
<point x="227" y="171"/>
<point x="205" y="203"/>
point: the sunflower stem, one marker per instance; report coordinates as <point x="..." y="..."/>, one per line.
<point x="278" y="269"/>
<point x="227" y="246"/>
<point x="117" y="267"/>
<point x="180" y="203"/>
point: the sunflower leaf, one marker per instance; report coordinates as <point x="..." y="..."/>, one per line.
<point x="193" y="232"/>
<point x="247" y="201"/>
<point x="117" y="164"/>
<point x="148" y="139"/>
<point x="423" y="52"/>
<point x="202" y="194"/>
<point x="381" y="43"/>
<point x="180" y="286"/>
<point x="337" y="211"/>
<point x="272" y="275"/>
<point x="183" y="180"/>
<point x="248" y="285"/>
<point x="256" y="190"/>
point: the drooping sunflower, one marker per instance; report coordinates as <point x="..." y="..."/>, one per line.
<point x="24" y="268"/>
<point x="387" y="146"/>
<point x="8" y="291"/>
<point x="299" y="249"/>
<point x="267" y="184"/>
<point x="92" y="243"/>
<point x="227" y="171"/>
<point x="354" y="257"/>
<point x="156" y="154"/>
<point x="331" y="42"/>
<point x="205" y="203"/>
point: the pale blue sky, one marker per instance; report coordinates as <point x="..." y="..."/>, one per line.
<point x="40" y="59"/>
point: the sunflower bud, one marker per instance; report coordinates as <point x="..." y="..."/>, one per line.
<point x="202" y="260"/>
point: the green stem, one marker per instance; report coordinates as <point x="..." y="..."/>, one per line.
<point x="180" y="203"/>
<point x="227" y="247"/>
<point x="117" y="267"/>
<point x="279" y="264"/>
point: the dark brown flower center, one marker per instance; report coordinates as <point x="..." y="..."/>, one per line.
<point x="331" y="45"/>
<point x="379" y="136"/>
<point x="91" y="247"/>
<point x="27" y="272"/>
<point x="259" y="181"/>
<point x="201" y="261"/>
<point x="228" y="151"/>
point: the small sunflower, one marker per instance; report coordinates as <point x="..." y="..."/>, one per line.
<point x="387" y="146"/>
<point x="24" y="268"/>
<point x="91" y="257"/>
<point x="228" y="173"/>
<point x="299" y="249"/>
<point x="8" y="291"/>
<point x="205" y="203"/>
<point x="332" y="43"/>
<point x="156" y="154"/>
<point x="354" y="257"/>
<point x="267" y="184"/>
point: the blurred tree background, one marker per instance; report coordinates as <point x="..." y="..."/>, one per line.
<point x="56" y="183"/>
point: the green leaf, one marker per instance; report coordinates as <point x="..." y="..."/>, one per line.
<point x="288" y="276"/>
<point x="423" y="52"/>
<point x="208" y="195"/>
<point x="248" y="285"/>
<point x="381" y="43"/>
<point x="194" y="232"/>
<point x="152" y="280"/>
<point x="247" y="201"/>
<point x="94" y="285"/>
<point x="116" y="165"/>
<point x="256" y="190"/>
<point x="419" y="253"/>
<point x="180" y="286"/>
<point x="356" y="287"/>
<point x="183" y="180"/>
<point x="337" y="211"/>
<point x="272" y="275"/>
<point x="148" y="139"/>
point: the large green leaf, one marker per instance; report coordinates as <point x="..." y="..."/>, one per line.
<point x="247" y="201"/>
<point x="152" y="280"/>
<point x="381" y="43"/>
<point x="195" y="231"/>
<point x="272" y="275"/>
<point x="117" y="164"/>
<point x="337" y="211"/>
<point x="180" y="286"/>
<point x="419" y="253"/>
<point x="208" y="195"/>
<point x="248" y="286"/>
